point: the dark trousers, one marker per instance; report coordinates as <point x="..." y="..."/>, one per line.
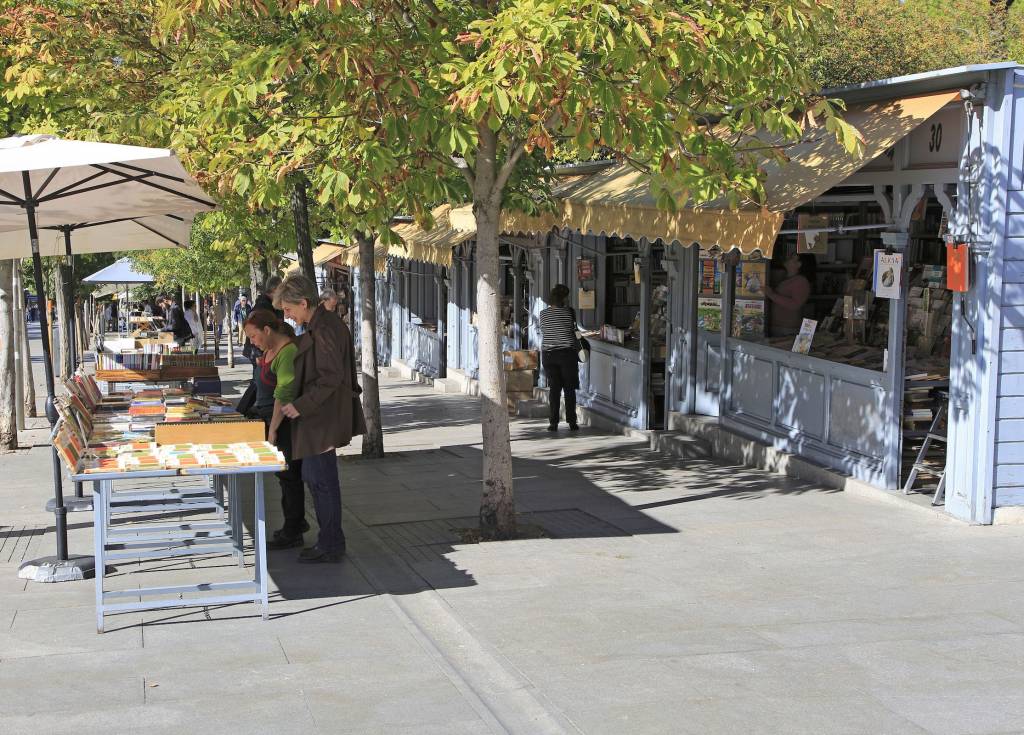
<point x="562" y="371"/>
<point x="321" y="474"/>
<point x="293" y="492"/>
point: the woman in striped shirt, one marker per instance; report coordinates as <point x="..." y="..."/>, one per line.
<point x="558" y="353"/>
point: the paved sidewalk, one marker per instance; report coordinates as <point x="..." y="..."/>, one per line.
<point x="669" y="597"/>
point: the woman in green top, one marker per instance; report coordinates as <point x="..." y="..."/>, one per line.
<point x="276" y="388"/>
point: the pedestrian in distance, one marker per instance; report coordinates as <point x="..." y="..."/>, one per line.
<point x="275" y="388"/>
<point x="559" y="350"/>
<point x="176" y="323"/>
<point x="326" y="411"/>
<point x="332" y="302"/>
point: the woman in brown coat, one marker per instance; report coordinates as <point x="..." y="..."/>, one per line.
<point x="326" y="412"/>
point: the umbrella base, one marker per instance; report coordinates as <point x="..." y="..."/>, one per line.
<point x="52" y="569"/>
<point x="73" y="505"/>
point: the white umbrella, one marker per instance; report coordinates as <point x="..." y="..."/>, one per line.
<point x="66" y="185"/>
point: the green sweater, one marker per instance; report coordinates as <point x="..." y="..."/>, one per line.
<point x="283" y="367"/>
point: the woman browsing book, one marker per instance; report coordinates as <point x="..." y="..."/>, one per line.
<point x="275" y="388"/>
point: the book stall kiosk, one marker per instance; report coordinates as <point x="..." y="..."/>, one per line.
<point x="845" y="337"/>
<point x="151" y="360"/>
<point x="100" y="442"/>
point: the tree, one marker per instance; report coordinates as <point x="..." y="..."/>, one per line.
<point x="486" y="89"/>
<point x="392" y="106"/>
<point x="8" y="375"/>
<point x="877" y="39"/>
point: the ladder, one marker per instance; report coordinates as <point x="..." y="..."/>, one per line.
<point x="932" y="435"/>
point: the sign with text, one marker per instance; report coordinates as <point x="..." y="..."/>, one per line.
<point x="887" y="275"/>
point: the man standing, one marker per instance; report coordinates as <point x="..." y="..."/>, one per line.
<point x="176" y="323"/>
<point x="239" y="314"/>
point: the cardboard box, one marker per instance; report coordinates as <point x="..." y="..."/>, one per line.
<point x="518" y="380"/>
<point x="520" y="359"/>
<point x="218" y="432"/>
<point x="513" y="398"/>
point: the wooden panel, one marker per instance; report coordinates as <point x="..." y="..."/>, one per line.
<point x="713" y="367"/>
<point x="1015" y="225"/>
<point x="1016" y="167"/>
<point x="1013" y="294"/>
<point x="1010" y="475"/>
<point x="1011" y="408"/>
<point x="800" y="401"/>
<point x="1011" y="362"/>
<point x="1013" y="337"/>
<point x="1008" y="496"/>
<point x="1011" y="384"/>
<point x="1010" y="430"/>
<point x="1008" y="453"/>
<point x="1013" y="247"/>
<point x="1013" y="272"/>
<point x="629" y="384"/>
<point x="752" y="388"/>
<point x="856" y="420"/>
<point x="215" y="432"/>
<point x="1015" y="200"/>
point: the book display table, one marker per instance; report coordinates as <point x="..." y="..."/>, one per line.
<point x="114" y="494"/>
<point x="155" y="459"/>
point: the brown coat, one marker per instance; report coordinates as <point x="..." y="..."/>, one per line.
<point x="328" y="395"/>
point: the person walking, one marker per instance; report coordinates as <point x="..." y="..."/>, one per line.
<point x="239" y="314"/>
<point x="275" y="388"/>
<point x="559" y="350"/>
<point x="326" y="411"/>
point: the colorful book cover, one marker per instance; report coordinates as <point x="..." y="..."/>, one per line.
<point x="751" y="278"/>
<point x="748" y="318"/>
<point x="709" y="314"/>
<point x="802" y="343"/>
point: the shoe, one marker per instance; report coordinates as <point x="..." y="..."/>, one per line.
<point x="284" y="542"/>
<point x="286" y="532"/>
<point x="313" y="555"/>
<point x="574" y="427"/>
<point x="552" y="427"/>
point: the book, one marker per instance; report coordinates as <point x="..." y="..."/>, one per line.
<point x="802" y="343"/>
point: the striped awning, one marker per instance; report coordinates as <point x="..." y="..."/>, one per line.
<point x="618" y="201"/>
<point x="321" y="254"/>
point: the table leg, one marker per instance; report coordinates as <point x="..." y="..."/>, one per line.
<point x="99" y="535"/>
<point x="235" y="511"/>
<point x="260" y="545"/>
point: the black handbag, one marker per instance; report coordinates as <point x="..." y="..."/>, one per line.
<point x="245" y="403"/>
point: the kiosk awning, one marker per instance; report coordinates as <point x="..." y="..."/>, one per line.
<point x="617" y="201"/>
<point x="820" y="162"/>
<point x="433" y="245"/>
<point x="321" y="254"/>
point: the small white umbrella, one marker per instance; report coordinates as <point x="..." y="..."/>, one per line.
<point x="47" y="183"/>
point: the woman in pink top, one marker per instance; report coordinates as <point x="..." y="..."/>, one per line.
<point x="790" y="296"/>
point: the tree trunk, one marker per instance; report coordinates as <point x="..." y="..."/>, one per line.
<point x="28" y="379"/>
<point x="63" y="293"/>
<point x="373" y="439"/>
<point x="257" y="273"/>
<point x="218" y="324"/>
<point x="8" y="376"/>
<point x="303" y="240"/>
<point x="229" y="307"/>
<point x="19" y="356"/>
<point x="497" y="506"/>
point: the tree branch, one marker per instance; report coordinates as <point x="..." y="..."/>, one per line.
<point x="517" y="148"/>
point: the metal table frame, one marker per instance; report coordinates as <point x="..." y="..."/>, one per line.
<point x="177" y="539"/>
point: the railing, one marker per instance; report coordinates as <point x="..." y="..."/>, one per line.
<point x="423" y="350"/>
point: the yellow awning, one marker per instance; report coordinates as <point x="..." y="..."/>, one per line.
<point x="321" y="254"/>
<point x="429" y="246"/>
<point x="821" y="162"/>
<point x="350" y="256"/>
<point x="617" y="201"/>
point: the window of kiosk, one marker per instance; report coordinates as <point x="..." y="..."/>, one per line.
<point x="815" y="295"/>
<point x="623" y="283"/>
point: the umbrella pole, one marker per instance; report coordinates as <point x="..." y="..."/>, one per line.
<point x="71" y="312"/>
<point x="60" y="568"/>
